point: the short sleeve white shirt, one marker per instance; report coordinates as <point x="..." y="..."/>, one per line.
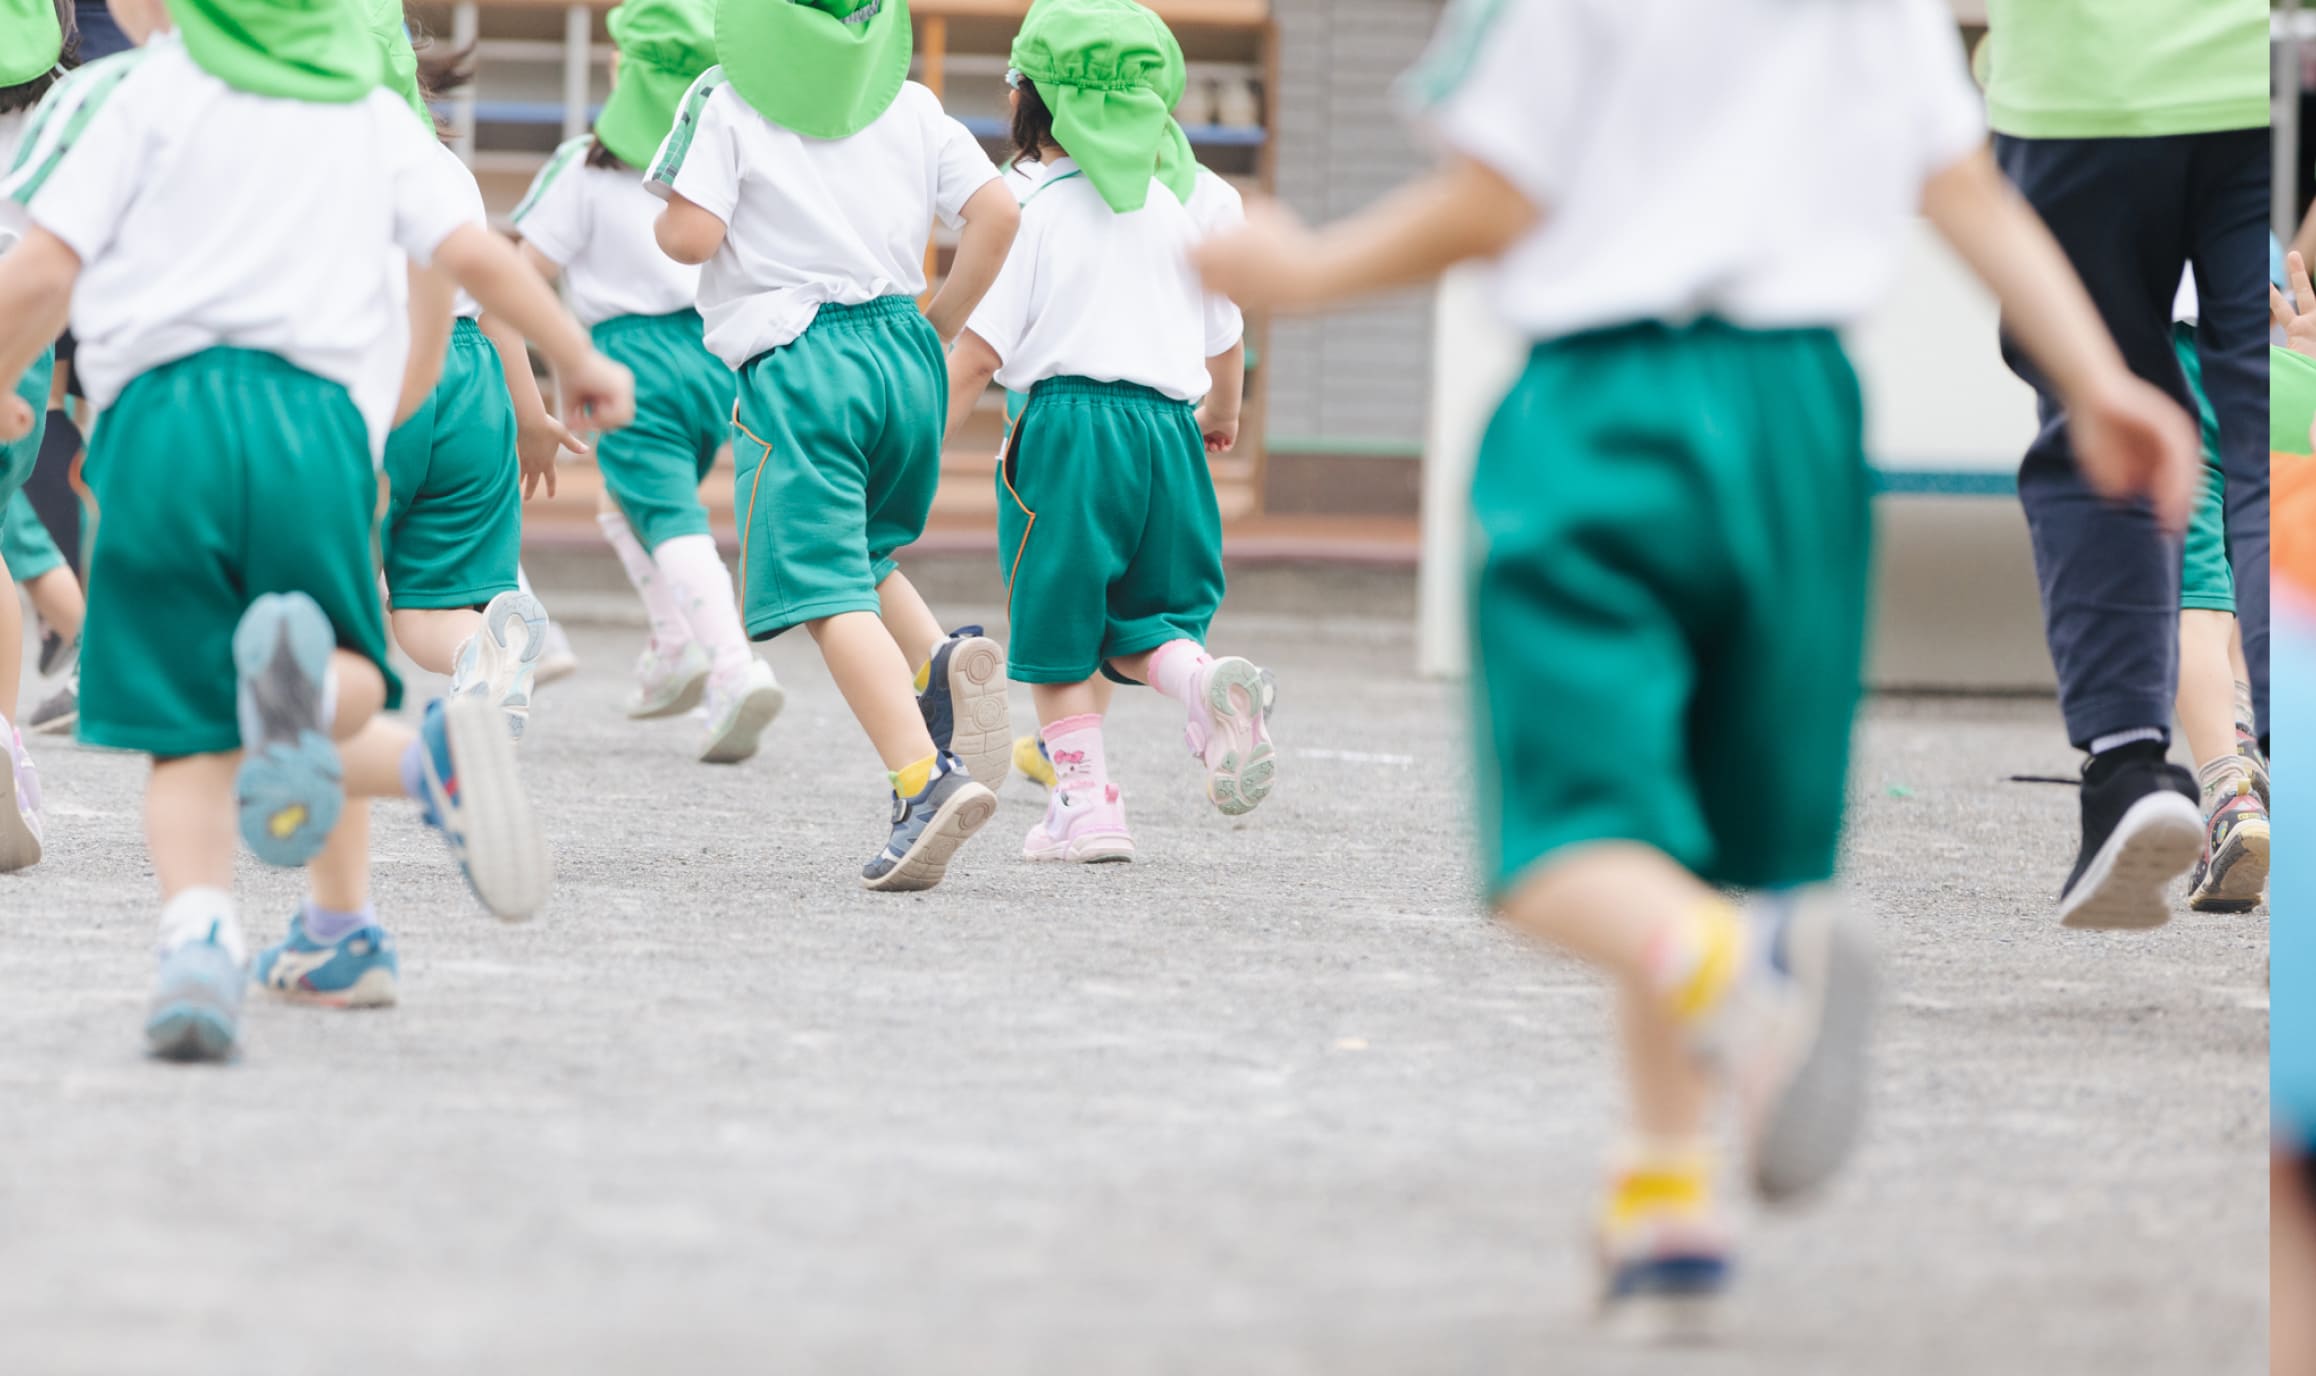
<point x="468" y="193"/>
<point x="1757" y="160"/>
<point x="12" y="222"/>
<point x="596" y="224"/>
<point x="812" y="222"/>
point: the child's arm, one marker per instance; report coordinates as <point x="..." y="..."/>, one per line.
<point x="972" y="363"/>
<point x="539" y="437"/>
<point x="1225" y="394"/>
<point x="488" y="267"/>
<point x="547" y="268"/>
<point x="36" y="281"/>
<point x="687" y="232"/>
<point x="2296" y="317"/>
<point x="1464" y="210"/>
<point x="433" y="299"/>
<point x="992" y="217"/>
<point x="2129" y="438"/>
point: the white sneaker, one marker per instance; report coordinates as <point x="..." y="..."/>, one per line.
<point x="500" y="662"/>
<point x="736" y="712"/>
<point x="557" y="661"/>
<point x="20" y="824"/>
<point x="668" y="682"/>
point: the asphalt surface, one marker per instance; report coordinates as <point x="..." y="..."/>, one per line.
<point x="1277" y="1098"/>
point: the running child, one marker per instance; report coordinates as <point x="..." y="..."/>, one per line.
<point x="588" y="219"/>
<point x="1671" y="519"/>
<point x="806" y="173"/>
<point x="230" y="320"/>
<point x="1109" y="536"/>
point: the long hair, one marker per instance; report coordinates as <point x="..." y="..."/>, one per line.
<point x="1032" y="123"/>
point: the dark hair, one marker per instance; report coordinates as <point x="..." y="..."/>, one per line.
<point x="1032" y="124"/>
<point x="600" y="155"/>
<point x="440" y="71"/>
<point x="26" y="94"/>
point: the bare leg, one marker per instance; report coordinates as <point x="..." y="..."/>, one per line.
<point x="2291" y="1265"/>
<point x="2207" y="685"/>
<point x="361" y="696"/>
<point x="1058" y="700"/>
<point x="339" y="878"/>
<point x="11" y="646"/>
<point x="431" y="636"/>
<point x="57" y="597"/>
<point x="190" y="823"/>
<point x="875" y="678"/>
<point x="911" y="623"/>
<point x="372" y="759"/>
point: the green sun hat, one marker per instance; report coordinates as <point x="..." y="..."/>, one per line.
<point x="822" y="68"/>
<point x="1177" y="165"/>
<point x="1102" y="68"/>
<point x="663" y="47"/>
<point x="392" y="35"/>
<point x="31" y="40"/>
<point x="317" y="50"/>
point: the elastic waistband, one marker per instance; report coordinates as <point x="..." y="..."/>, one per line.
<point x="833" y="316"/>
<point x="1110" y="393"/>
<point x="687" y="320"/>
<point x="223" y="358"/>
<point x="468" y="328"/>
<point x="1708" y="331"/>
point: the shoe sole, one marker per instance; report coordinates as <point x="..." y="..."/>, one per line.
<point x="507" y="862"/>
<point x="739" y="740"/>
<point x="58" y="725"/>
<point x="928" y="860"/>
<point x="375" y="989"/>
<point x="686" y="698"/>
<point x="509" y="672"/>
<point x="2127" y="886"/>
<point x="1085" y="850"/>
<point x="2238" y="878"/>
<point x="189" y="1031"/>
<point x="1664" y="1320"/>
<point x="290" y="785"/>
<point x="1812" y="1121"/>
<point x="981" y="717"/>
<point x="1238" y="783"/>
<point x="19" y="844"/>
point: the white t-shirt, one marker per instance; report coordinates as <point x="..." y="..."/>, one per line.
<point x="1757" y="160"/>
<point x="596" y="224"/>
<point x="207" y="217"/>
<point x="1088" y="292"/>
<point x="471" y="210"/>
<point x="812" y="221"/>
<point x="12" y="221"/>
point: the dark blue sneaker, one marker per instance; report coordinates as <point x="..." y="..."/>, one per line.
<point x="928" y="828"/>
<point x="462" y="772"/>
<point x="1664" y="1285"/>
<point x="290" y="786"/>
<point x="196" y="1004"/>
<point x="965" y="707"/>
<point x="357" y="971"/>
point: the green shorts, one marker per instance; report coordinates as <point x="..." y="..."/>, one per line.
<point x="219" y="477"/>
<point x="25" y="546"/>
<point x="1670" y="565"/>
<point x="836" y="451"/>
<point x="454" y="510"/>
<point x="2206" y="582"/>
<point x="17" y="458"/>
<point x="683" y="415"/>
<point x="1108" y="535"/>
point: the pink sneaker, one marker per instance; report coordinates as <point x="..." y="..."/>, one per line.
<point x="1083" y="825"/>
<point x="1229" y="732"/>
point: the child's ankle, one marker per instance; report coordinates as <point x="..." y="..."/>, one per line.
<point x="1694" y="958"/>
<point x="202" y="914"/>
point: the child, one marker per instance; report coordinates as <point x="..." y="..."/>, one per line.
<point x="36" y="564"/>
<point x="806" y="172"/>
<point x="1109" y="536"/>
<point x="1671" y="523"/>
<point x="588" y="218"/>
<point x="230" y="321"/>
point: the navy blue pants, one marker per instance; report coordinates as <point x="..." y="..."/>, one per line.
<point x="2131" y="213"/>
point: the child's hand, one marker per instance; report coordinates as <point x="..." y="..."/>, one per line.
<point x="600" y="392"/>
<point x="16" y="419"/>
<point x="1264" y="263"/>
<point x="1221" y="431"/>
<point x="2297" y="321"/>
<point x="539" y="442"/>
<point x="2133" y="441"/>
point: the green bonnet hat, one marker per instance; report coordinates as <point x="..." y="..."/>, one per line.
<point x="31" y="40"/>
<point x="318" y="50"/>
<point x="823" y="68"/>
<point x="392" y="36"/>
<point x="1104" y="67"/>
<point x="663" y="46"/>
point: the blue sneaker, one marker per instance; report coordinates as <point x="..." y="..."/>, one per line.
<point x="1664" y="1284"/>
<point x="928" y="828"/>
<point x="964" y="704"/>
<point x="357" y="971"/>
<point x="196" y="1003"/>
<point x="462" y="772"/>
<point x="290" y="786"/>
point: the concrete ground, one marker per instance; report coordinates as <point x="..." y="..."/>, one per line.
<point x="1275" y="1099"/>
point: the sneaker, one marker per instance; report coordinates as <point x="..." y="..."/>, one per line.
<point x="356" y="971"/>
<point x="1230" y="734"/>
<point x="195" y="1009"/>
<point x="463" y="775"/>
<point x="1665" y="1272"/>
<point x="500" y="662"/>
<point x="928" y="828"/>
<point x="1031" y="761"/>
<point x="557" y="660"/>
<point x="290" y="785"/>
<point x="2232" y="874"/>
<point x="2248" y="749"/>
<point x="56" y="653"/>
<point x="735" y="714"/>
<point x="1081" y="827"/>
<point x="2141" y="830"/>
<point x="21" y="827"/>
<point x="1791" y="1031"/>
<point x="59" y="712"/>
<point x="668" y="683"/>
<point x="965" y="707"/>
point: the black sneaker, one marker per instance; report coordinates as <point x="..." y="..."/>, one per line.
<point x="927" y="829"/>
<point x="56" y="652"/>
<point x="2141" y="829"/>
<point x="57" y="715"/>
<point x="964" y="704"/>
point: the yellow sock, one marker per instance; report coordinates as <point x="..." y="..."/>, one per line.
<point x="1659" y="1178"/>
<point x="924" y="676"/>
<point x="1693" y="960"/>
<point x="910" y="780"/>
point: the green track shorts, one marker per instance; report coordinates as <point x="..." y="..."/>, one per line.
<point x="2206" y="581"/>
<point x="25" y="546"/>
<point x="454" y="510"/>
<point x="683" y="414"/>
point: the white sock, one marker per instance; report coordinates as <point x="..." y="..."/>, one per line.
<point x="1075" y="746"/>
<point x="659" y="600"/>
<point x="1174" y="668"/>
<point x="701" y="586"/>
<point x="2116" y="740"/>
<point x="202" y="915"/>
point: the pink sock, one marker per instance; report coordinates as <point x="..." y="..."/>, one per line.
<point x="1174" y="668"/>
<point x="1075" y="743"/>
<point x="702" y="587"/>
<point x="667" y="619"/>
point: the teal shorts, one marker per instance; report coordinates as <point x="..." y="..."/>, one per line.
<point x="25" y="546"/>
<point x="683" y="415"/>
<point x="17" y="458"/>
<point x="2206" y="581"/>
<point x="1108" y="535"/>
<point x="1670" y="564"/>
<point x="219" y="477"/>
<point x="836" y="451"/>
<point x="454" y="510"/>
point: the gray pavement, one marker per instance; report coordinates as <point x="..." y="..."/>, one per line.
<point x="1275" y="1099"/>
